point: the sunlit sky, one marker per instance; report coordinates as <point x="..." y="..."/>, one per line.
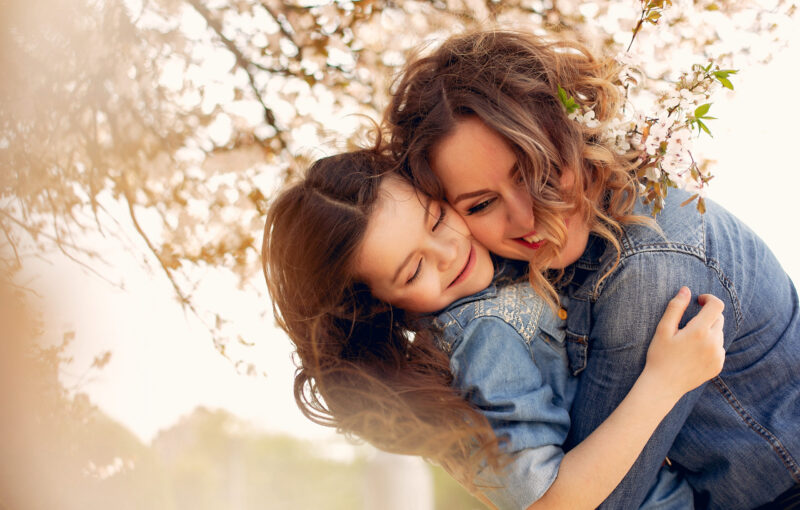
<point x="164" y="363"/>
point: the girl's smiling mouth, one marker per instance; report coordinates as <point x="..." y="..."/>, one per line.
<point x="466" y="269"/>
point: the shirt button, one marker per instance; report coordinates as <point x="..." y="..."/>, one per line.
<point x="562" y="314"/>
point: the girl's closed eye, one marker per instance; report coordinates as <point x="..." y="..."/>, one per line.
<point x="416" y="273"/>
<point x="440" y="219"/>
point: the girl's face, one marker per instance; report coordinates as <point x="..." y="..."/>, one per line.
<point x="479" y="172"/>
<point x="418" y="254"/>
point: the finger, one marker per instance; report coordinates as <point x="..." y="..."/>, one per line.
<point x="718" y="324"/>
<point x="711" y="311"/>
<point x="674" y="312"/>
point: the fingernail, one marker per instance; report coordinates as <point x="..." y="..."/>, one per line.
<point x="684" y="291"/>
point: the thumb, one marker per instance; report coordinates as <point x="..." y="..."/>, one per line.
<point x="675" y="309"/>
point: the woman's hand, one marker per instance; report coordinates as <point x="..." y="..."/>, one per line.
<point x="683" y="359"/>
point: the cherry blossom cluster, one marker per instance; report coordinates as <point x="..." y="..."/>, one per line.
<point x="662" y="139"/>
<point x="665" y="138"/>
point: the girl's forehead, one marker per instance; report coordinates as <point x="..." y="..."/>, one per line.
<point x="395" y="189"/>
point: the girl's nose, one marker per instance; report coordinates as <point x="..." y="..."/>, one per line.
<point x="446" y="251"/>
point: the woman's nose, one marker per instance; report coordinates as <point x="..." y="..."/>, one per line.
<point x="519" y="211"/>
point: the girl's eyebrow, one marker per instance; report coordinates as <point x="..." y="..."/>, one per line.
<point x="426" y="207"/>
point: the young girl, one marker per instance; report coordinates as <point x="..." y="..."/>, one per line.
<point x="356" y="261"/>
<point x="479" y="122"/>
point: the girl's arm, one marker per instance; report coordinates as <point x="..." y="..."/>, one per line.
<point x="678" y="361"/>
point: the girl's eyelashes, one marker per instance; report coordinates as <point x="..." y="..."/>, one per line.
<point x="437" y="223"/>
<point x="440" y="219"/>
<point x="416" y="273"/>
<point x="480" y="206"/>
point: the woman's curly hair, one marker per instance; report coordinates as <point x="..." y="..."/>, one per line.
<point x="510" y="81"/>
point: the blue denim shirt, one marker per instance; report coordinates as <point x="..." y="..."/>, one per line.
<point x="738" y="436"/>
<point x="508" y="356"/>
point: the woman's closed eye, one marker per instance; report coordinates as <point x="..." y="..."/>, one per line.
<point x="480" y="206"/>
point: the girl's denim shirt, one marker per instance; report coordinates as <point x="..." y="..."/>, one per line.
<point x="737" y="436"/>
<point x="508" y="355"/>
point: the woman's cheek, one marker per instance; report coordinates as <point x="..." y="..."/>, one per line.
<point x="483" y="230"/>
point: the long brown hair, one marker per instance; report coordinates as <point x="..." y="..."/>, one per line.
<point x="510" y="80"/>
<point x="363" y="367"/>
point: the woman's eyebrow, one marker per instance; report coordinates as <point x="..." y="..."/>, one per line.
<point x="467" y="195"/>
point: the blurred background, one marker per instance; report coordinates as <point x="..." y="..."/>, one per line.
<point x="140" y="141"/>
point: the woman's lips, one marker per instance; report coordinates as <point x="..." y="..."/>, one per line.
<point x="531" y="240"/>
<point x="467" y="267"/>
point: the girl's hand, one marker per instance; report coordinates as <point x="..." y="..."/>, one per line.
<point x="683" y="359"/>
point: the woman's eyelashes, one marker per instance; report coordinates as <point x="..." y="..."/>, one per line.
<point x="480" y="206"/>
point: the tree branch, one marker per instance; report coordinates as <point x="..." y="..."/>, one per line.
<point x="282" y="27"/>
<point x="184" y="300"/>
<point x="243" y="63"/>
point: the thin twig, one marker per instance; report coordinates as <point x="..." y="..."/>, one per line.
<point x="244" y="64"/>
<point x="62" y="247"/>
<point x="11" y="243"/>
<point x="286" y="33"/>
<point x="184" y="300"/>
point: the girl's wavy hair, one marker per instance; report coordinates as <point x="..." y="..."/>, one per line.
<point x="363" y="367"/>
<point x="510" y="80"/>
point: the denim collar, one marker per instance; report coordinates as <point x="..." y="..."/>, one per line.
<point x="577" y="280"/>
<point x="592" y="256"/>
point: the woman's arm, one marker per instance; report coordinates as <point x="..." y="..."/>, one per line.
<point x="620" y="324"/>
<point x="678" y="361"/>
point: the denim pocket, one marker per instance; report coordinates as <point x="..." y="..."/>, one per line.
<point x="577" y="352"/>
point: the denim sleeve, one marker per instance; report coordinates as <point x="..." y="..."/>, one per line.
<point x="494" y="368"/>
<point x="624" y="318"/>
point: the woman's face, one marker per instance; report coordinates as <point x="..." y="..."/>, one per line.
<point x="479" y="172"/>
<point x="417" y="253"/>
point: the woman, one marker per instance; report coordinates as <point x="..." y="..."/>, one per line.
<point x="479" y="122"/>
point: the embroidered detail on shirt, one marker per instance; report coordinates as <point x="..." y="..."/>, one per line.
<point x="517" y="304"/>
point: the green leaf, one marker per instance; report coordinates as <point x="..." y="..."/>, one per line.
<point x="701" y="110"/>
<point x="725" y="83"/>
<point x="562" y="95"/>
<point x="703" y="127"/>
<point x="724" y="73"/>
<point x="568" y="101"/>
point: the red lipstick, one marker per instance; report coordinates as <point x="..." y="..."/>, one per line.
<point x="529" y="245"/>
